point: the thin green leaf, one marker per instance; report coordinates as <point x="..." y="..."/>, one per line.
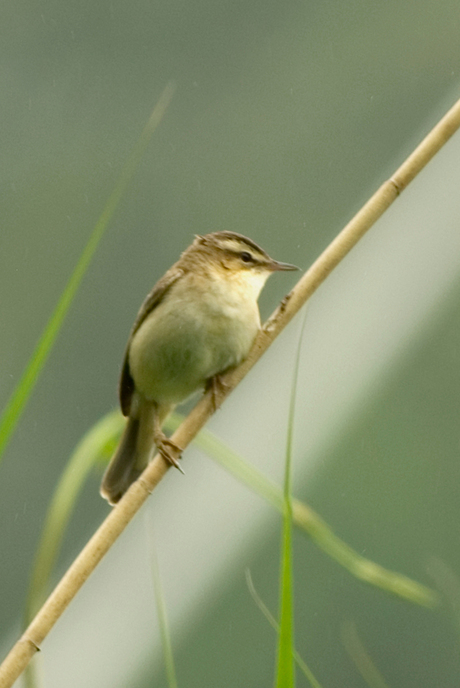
<point x="285" y="677"/>
<point x="274" y="624"/>
<point x="23" y="390"/>
<point x="285" y="674"/>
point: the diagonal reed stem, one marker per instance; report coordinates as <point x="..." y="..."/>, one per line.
<point x="129" y="505"/>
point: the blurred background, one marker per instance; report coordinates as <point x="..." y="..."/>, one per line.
<point x="286" y="118"/>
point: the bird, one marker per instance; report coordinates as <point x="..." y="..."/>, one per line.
<point x="198" y="322"/>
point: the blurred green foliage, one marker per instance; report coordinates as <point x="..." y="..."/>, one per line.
<point x="286" y="118"/>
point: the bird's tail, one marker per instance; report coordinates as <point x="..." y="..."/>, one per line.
<point x="131" y="455"/>
<point x="122" y="469"/>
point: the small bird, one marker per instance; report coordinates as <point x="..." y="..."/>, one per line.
<point x="199" y="321"/>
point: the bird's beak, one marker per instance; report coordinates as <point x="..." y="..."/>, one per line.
<point x="276" y="266"/>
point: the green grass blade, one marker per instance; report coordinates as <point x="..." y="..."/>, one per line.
<point x="23" y="390"/>
<point x="274" y="624"/>
<point x="285" y="676"/>
<point x="285" y="672"/>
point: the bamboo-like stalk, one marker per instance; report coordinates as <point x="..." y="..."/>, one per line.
<point x="121" y="515"/>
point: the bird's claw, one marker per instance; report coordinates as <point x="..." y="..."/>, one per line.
<point x="167" y="448"/>
<point x="218" y="389"/>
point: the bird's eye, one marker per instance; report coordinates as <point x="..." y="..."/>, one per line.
<point x="246" y="257"/>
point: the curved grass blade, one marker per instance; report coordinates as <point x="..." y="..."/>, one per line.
<point x="274" y="624"/>
<point x="23" y="390"/>
<point x="311" y="523"/>
<point x="96" y="446"/>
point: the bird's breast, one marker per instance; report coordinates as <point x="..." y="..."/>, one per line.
<point x="192" y="335"/>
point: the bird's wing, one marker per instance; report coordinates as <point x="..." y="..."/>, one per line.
<point x="126" y="385"/>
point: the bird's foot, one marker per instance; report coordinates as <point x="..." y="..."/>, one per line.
<point x="169" y="450"/>
<point x="218" y="389"/>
